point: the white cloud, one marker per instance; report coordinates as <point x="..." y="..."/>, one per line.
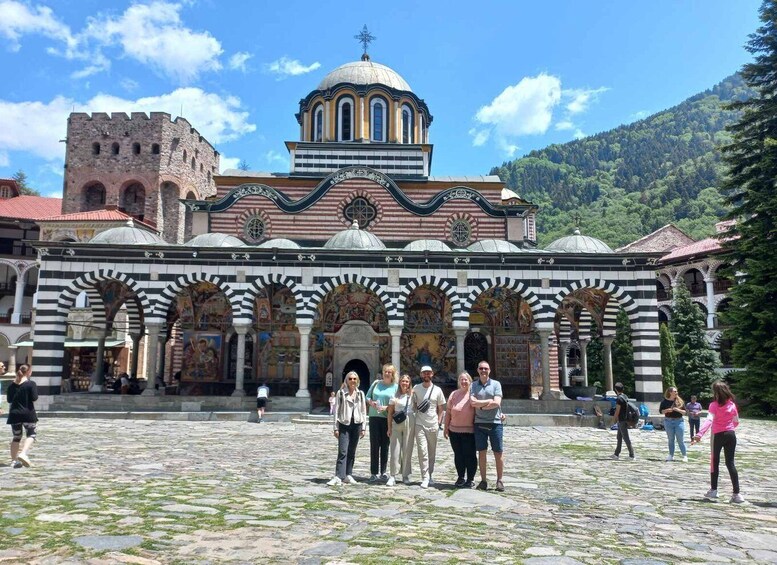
<point x="19" y="19"/>
<point x="273" y="156"/>
<point x="128" y="84"/>
<point x="578" y="134"/>
<point x="641" y="114"/>
<point x="285" y="67"/>
<point x="581" y="98"/>
<point x="564" y="125"/>
<point x="238" y="61"/>
<point x="4" y="159"/>
<point x="36" y="127"/>
<point x="228" y="163"/>
<point x="525" y="108"/>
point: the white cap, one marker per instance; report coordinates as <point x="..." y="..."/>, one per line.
<point x="427" y="368"/>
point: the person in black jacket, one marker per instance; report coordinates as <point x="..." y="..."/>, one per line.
<point x="21" y="395"/>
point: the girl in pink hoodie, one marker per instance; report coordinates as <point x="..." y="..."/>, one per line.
<point x="723" y="418"/>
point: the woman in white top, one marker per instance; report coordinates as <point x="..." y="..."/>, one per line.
<point x="401" y="433"/>
<point x="350" y="423"/>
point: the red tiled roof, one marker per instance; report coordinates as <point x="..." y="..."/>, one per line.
<point x="704" y="247"/>
<point x="93" y="216"/>
<point x="30" y="207"/>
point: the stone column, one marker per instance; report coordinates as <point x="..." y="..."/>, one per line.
<point x="607" y="353"/>
<point x="133" y="368"/>
<point x="563" y="347"/>
<point x="241" y="331"/>
<point x="583" y="343"/>
<point x="12" y="350"/>
<point x="98" y="379"/>
<point x="152" y="356"/>
<point x="545" y="346"/>
<point x="16" y="317"/>
<point x="396" y="335"/>
<point x="327" y="122"/>
<point x="711" y="314"/>
<point x="461" y="334"/>
<point x="304" y="359"/>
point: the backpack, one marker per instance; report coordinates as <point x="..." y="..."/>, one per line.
<point x="632" y="413"/>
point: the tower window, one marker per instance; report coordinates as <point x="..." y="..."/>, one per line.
<point x="136" y="148"/>
<point x="155" y="148"/>
<point x="360" y="210"/>
<point x="194" y="166"/>
<point x="95" y="148"/>
<point x="185" y="156"/>
<point x="407" y="124"/>
<point x="254" y="228"/>
<point x="318" y="123"/>
<point x="345" y="120"/>
<point x="115" y="149"/>
<point x="378" y="119"/>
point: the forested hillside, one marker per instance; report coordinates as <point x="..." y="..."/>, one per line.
<point x="631" y="180"/>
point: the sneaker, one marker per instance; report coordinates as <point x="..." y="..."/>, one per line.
<point x="685" y="459"/>
<point x="431" y="480"/>
<point x="632" y="457"/>
<point x="500" y="486"/>
<point x="24" y="460"/>
<point x="391" y="482"/>
<point x="616" y="457"/>
<point x="349" y="480"/>
<point x="16" y="465"/>
<point x="482" y="485"/>
<point x="406" y="479"/>
<point x="669" y="458"/>
<point x="425" y="483"/>
<point x="373" y="478"/>
<point x="737" y="498"/>
<point x="334" y="481"/>
<point x="712" y="493"/>
<point x="384" y="477"/>
<point x="459" y="482"/>
<point x="468" y="484"/>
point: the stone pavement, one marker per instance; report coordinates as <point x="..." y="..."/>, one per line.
<point x="235" y="492"/>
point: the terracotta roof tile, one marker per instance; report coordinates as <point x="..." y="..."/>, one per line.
<point x="30" y="207"/>
<point x="703" y="247"/>
<point x="93" y="216"/>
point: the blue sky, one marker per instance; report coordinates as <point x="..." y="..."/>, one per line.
<point x="500" y="78"/>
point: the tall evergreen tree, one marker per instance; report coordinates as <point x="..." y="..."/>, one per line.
<point x="696" y="360"/>
<point x="623" y="352"/>
<point x="21" y="181"/>
<point x="668" y="356"/>
<point x="751" y="243"/>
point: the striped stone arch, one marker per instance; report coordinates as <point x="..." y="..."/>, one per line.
<point x="624" y="300"/>
<point x="436" y="282"/>
<point x="86" y="283"/>
<point x="167" y="296"/>
<point x="666" y="310"/>
<point x="329" y="285"/>
<point x="526" y="293"/>
<point x="263" y="281"/>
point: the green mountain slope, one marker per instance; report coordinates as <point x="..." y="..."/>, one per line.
<point x="626" y="182"/>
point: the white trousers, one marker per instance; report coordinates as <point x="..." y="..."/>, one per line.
<point x="401" y="448"/>
<point x="426" y="443"/>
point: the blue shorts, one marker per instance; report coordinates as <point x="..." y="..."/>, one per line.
<point x="484" y="432"/>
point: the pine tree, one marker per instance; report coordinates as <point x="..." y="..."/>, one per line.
<point x="623" y="352"/>
<point x="696" y="360"/>
<point x="750" y="244"/>
<point x="21" y="181"/>
<point x="668" y="356"/>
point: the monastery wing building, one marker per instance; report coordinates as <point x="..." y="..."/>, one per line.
<point x="358" y="256"/>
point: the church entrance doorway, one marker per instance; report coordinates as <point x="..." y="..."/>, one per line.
<point x="361" y="369"/>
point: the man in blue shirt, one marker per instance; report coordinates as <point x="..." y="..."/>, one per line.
<point x="486" y="398"/>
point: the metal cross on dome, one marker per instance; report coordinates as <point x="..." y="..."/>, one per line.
<point x="365" y="38"/>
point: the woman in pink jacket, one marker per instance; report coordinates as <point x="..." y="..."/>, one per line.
<point x="723" y="418"/>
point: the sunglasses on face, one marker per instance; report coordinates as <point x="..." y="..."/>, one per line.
<point x="351" y="379"/>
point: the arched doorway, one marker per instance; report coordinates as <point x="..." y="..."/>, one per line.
<point x="475" y="351"/>
<point x="361" y="369"/>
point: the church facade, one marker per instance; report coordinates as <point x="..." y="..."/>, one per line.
<point x="358" y="256"/>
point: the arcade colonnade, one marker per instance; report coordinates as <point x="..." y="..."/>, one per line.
<point x="154" y="279"/>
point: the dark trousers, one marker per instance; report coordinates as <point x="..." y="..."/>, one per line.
<point x="694" y="425"/>
<point x="379" y="444"/>
<point x="464" y="454"/>
<point x="623" y="436"/>
<point x="346" y="448"/>
<point x="727" y="441"/>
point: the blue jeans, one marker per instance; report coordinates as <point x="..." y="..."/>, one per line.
<point x="675" y="430"/>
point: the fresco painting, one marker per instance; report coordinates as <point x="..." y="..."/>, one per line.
<point x="201" y="360"/>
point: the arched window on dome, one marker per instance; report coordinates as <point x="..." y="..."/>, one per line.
<point x="423" y="130"/>
<point x="345" y="119"/>
<point x="407" y="124"/>
<point x="378" y="119"/>
<point x="318" y="123"/>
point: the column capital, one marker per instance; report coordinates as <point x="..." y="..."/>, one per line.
<point x="241" y="329"/>
<point x="460" y="332"/>
<point x="304" y="327"/>
<point x="396" y="331"/>
<point x="608" y="339"/>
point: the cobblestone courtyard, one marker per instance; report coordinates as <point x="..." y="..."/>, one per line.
<point x="209" y="492"/>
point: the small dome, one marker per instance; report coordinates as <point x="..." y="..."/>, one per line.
<point x="354" y="238"/>
<point x="126" y="235"/>
<point x="494" y="246"/>
<point x="280" y="243"/>
<point x="577" y="243"/>
<point x="214" y="239"/>
<point x="364" y="73"/>
<point x="427" y="245"/>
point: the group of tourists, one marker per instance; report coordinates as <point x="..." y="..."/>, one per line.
<point x="400" y="416"/>
<point x="722" y="417"/>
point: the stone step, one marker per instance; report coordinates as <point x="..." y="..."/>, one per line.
<point x="172" y="416"/>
